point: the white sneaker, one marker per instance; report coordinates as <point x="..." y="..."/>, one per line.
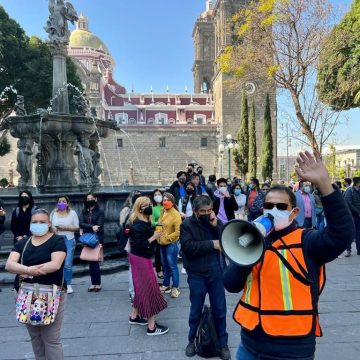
<point x="183" y="271"/>
<point x="70" y="290"/>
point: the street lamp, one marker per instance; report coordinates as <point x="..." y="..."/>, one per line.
<point x="227" y="144"/>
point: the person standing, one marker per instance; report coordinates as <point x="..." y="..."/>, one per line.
<point x="256" y="209"/>
<point x="199" y="237"/>
<point x="240" y="198"/>
<point x="254" y="188"/>
<point x="278" y="309"/>
<point x="305" y="201"/>
<point x="65" y="222"/>
<point x="92" y="221"/>
<point x="170" y="220"/>
<point x="21" y="216"/>
<point x="211" y="186"/>
<point x="42" y="263"/>
<point x="352" y="197"/>
<point x="199" y="171"/>
<point x="177" y="189"/>
<point x="157" y="198"/>
<point x="224" y="203"/>
<point x="148" y="300"/>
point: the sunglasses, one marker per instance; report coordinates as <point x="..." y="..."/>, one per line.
<point x="279" y="206"/>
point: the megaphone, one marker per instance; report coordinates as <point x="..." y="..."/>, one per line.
<point x="243" y="242"/>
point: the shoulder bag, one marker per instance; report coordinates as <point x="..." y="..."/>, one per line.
<point x="92" y="254"/>
<point x="37" y="304"/>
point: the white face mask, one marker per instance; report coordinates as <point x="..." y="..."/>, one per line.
<point x="307" y="189"/>
<point x="158" y="199"/>
<point x="223" y="190"/>
<point x="281" y="217"/>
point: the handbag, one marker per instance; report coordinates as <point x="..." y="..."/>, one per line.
<point x="37" y="304"/>
<point x="92" y="254"/>
<point x="89" y="239"/>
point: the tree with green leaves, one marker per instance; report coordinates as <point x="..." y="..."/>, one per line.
<point x="241" y="155"/>
<point x="267" y="144"/>
<point x="252" y="142"/>
<point x="339" y="71"/>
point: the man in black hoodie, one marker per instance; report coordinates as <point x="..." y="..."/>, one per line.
<point x="278" y="310"/>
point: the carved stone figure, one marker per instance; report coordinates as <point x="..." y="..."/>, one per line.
<point x="93" y="111"/>
<point x="19" y="106"/>
<point x="96" y="165"/>
<point x="57" y="26"/>
<point x="81" y="105"/>
<point x="24" y="161"/>
<point x="85" y="161"/>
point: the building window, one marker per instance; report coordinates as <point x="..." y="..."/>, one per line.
<point x="200" y="119"/>
<point x="204" y="142"/>
<point x="120" y="143"/>
<point x="161" y="118"/>
<point x="162" y="142"/>
<point x="121" y="118"/>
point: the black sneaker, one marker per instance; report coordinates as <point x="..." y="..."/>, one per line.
<point x="158" y="330"/>
<point x="190" y="349"/>
<point x="225" y="353"/>
<point x="138" y="321"/>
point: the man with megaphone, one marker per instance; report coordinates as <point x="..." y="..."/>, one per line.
<point x="278" y="309"/>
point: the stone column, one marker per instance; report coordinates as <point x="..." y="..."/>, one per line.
<point x="60" y="103"/>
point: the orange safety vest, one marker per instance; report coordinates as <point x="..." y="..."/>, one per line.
<point x="279" y="293"/>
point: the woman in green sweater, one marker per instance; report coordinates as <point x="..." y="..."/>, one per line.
<point x="157" y="198"/>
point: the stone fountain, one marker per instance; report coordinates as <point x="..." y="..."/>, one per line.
<point x="65" y="142"/>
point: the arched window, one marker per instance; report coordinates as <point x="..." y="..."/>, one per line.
<point x="161" y="119"/>
<point x="121" y="118"/>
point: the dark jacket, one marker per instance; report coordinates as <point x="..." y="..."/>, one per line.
<point x="230" y="206"/>
<point x="89" y="218"/>
<point x="352" y="197"/>
<point x="175" y="190"/>
<point x="20" y="221"/>
<point x="319" y="247"/>
<point x="210" y="189"/>
<point x="197" y="249"/>
<point x="140" y="233"/>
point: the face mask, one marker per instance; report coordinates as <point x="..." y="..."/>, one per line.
<point x="147" y="210"/>
<point x="24" y="200"/>
<point x="204" y="218"/>
<point x="199" y="172"/>
<point x="251" y="186"/>
<point x="281" y="218"/>
<point x="39" y="229"/>
<point x="158" y="199"/>
<point x="190" y="171"/>
<point x="90" y="203"/>
<point x="182" y="180"/>
<point x="229" y="182"/>
<point x="189" y="191"/>
<point x="167" y="204"/>
<point x="237" y="192"/>
<point x="307" y="189"/>
<point x="62" y="206"/>
<point x="223" y="190"/>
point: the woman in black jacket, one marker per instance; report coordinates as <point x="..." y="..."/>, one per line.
<point x="148" y="300"/>
<point x="92" y="221"/>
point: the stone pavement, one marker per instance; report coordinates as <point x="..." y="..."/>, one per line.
<point x="96" y="324"/>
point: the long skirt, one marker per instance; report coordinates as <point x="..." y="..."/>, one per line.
<point x="148" y="299"/>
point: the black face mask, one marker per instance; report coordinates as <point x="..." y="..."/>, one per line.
<point x="148" y="210"/>
<point x="182" y="180"/>
<point x="90" y="203"/>
<point x="204" y="218"/>
<point x="190" y="171"/>
<point x="190" y="191"/>
<point x="24" y="200"/>
<point x="199" y="172"/>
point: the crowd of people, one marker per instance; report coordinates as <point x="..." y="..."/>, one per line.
<point x="313" y="224"/>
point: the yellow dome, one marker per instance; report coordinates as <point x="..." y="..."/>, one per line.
<point x="83" y="38"/>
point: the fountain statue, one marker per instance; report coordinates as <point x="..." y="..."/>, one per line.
<point x="55" y="135"/>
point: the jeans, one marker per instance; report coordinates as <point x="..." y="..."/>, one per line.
<point x="95" y="275"/>
<point x="200" y="286"/>
<point x="169" y="254"/>
<point x="70" y="248"/>
<point x="320" y="224"/>
<point x="244" y="354"/>
<point x="357" y="234"/>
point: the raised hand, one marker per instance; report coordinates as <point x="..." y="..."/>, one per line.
<point x="311" y="168"/>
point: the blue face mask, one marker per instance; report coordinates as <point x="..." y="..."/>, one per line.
<point x="237" y="192"/>
<point x="39" y="229"/>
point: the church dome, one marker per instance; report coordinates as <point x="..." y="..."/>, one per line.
<point x="82" y="37"/>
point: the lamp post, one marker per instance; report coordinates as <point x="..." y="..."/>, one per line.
<point x="227" y="144"/>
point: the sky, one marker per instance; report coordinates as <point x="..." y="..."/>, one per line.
<point x="151" y="42"/>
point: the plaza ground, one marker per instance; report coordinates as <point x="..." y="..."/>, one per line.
<point x="96" y="324"/>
